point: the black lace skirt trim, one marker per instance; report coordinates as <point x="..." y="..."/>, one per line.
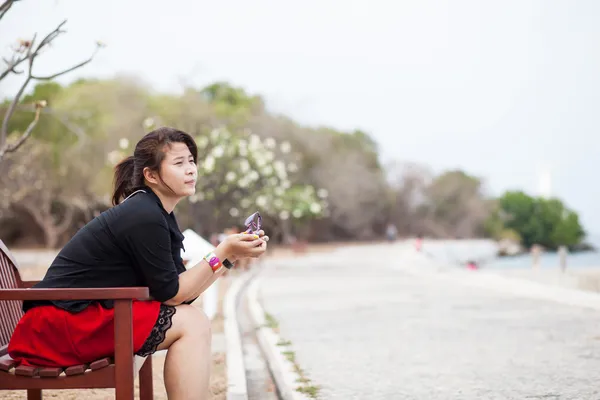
<point x="157" y="336"/>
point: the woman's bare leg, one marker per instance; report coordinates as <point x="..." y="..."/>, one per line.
<point x="187" y="367"/>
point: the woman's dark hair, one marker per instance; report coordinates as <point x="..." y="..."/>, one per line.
<point x="149" y="152"/>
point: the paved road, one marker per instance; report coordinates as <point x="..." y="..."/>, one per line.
<point x="374" y="330"/>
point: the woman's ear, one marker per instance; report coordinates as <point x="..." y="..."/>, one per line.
<point x="150" y="176"/>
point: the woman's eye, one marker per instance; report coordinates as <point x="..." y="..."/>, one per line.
<point x="179" y="163"/>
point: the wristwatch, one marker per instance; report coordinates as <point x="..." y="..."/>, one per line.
<point x="215" y="263"/>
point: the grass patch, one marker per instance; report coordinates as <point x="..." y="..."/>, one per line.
<point x="290" y="355"/>
<point x="303" y="379"/>
<point x="284" y="342"/>
<point x="311" y="390"/>
<point x="271" y="321"/>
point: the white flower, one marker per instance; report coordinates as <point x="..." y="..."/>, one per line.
<point x="254" y="141"/>
<point x="268" y="170"/>
<point x="243" y="144"/>
<point x="201" y="142"/>
<point x="218" y="151"/>
<point x="284" y="215"/>
<point x="234" y="212"/>
<point x="279" y="191"/>
<point x="244" y="166"/>
<point x="285" y="184"/>
<point x="292" y="167"/>
<point x="280" y="169"/>
<point x="114" y="157"/>
<point x="149" y="123"/>
<point x="278" y="202"/>
<point x="269" y="156"/>
<point x="214" y="134"/>
<point x="209" y="163"/>
<point x="297" y="213"/>
<point x="273" y="181"/>
<point x="260" y="161"/>
<point x="285" y="147"/>
<point x="123" y="143"/>
<point x="243" y="152"/>
<point x="315" y="208"/>
<point x="261" y="201"/>
<point x="270" y="143"/>
<point x="253" y="176"/>
<point x="245" y="202"/>
<point x="242" y="183"/>
<point x="322" y="193"/>
<point x="230" y="176"/>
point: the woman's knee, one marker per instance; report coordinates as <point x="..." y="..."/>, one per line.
<point x="189" y="323"/>
<point x="193" y="321"/>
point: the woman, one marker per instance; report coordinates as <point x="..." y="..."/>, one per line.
<point x="135" y="243"/>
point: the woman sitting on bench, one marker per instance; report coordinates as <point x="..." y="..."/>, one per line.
<point x="135" y="243"/>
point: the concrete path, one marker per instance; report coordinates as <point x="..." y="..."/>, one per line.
<point x="381" y="323"/>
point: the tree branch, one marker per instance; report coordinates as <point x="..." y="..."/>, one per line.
<point x="81" y="64"/>
<point x="5" y="7"/>
<point x="10" y="112"/>
<point x="31" y="55"/>
<point x="66" y="222"/>
<point x="12" y="65"/>
<point x="9" y="148"/>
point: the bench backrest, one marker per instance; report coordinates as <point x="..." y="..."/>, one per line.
<point x="10" y="311"/>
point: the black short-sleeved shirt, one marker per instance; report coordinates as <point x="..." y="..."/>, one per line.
<point x="136" y="243"/>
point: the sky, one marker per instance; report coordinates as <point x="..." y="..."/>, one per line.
<point x="508" y="91"/>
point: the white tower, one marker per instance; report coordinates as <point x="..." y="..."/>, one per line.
<point x="545" y="183"/>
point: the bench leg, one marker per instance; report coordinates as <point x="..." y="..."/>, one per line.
<point x="146" y="387"/>
<point x="34" y="394"/>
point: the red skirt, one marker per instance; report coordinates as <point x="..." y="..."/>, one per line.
<point x="49" y="336"/>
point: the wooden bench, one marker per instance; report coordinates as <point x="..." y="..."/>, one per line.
<point x="116" y="372"/>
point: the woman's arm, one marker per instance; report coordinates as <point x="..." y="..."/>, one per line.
<point x="195" y="280"/>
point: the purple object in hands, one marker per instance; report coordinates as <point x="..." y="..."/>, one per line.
<point x="253" y="223"/>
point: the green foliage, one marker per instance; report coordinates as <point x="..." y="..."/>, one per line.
<point x="547" y="222"/>
<point x="316" y="183"/>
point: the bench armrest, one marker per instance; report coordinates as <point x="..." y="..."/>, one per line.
<point x="139" y="293"/>
<point x="29" y="284"/>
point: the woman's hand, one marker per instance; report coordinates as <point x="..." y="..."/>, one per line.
<point x="243" y="245"/>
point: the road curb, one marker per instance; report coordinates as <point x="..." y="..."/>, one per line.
<point x="282" y="369"/>
<point x="237" y="388"/>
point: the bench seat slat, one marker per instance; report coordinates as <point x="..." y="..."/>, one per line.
<point x="48" y="372"/>
<point x="76" y="370"/>
<point x="6" y="363"/>
<point x="103" y="362"/>
<point x="26" y="370"/>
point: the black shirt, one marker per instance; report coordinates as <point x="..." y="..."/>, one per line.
<point x="135" y="243"/>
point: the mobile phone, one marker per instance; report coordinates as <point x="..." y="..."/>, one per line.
<point x="253" y="223"/>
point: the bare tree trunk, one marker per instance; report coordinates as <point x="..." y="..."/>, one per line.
<point x="44" y="218"/>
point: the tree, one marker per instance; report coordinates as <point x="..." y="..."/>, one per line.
<point x="547" y="222"/>
<point x="27" y="51"/>
<point x="455" y="205"/>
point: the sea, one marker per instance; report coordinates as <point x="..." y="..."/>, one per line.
<point x="458" y="252"/>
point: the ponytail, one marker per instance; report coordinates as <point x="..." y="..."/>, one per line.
<point x="123" y="180"/>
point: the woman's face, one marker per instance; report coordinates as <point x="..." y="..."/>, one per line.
<point x="179" y="171"/>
